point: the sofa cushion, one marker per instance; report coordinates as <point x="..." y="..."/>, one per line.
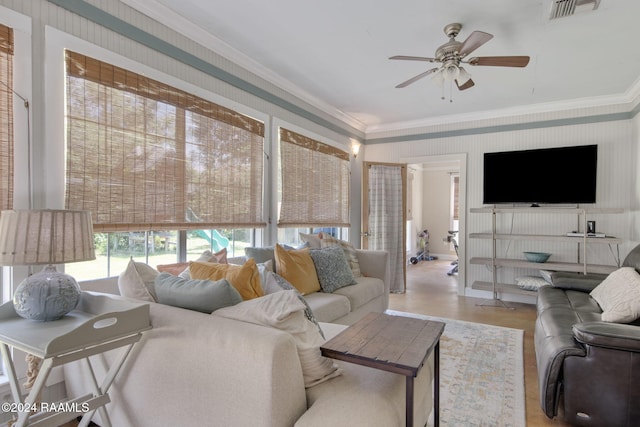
<point x="137" y="281"/>
<point x="284" y="311"/>
<point x="245" y="278"/>
<point x="328" y="307"/>
<point x="365" y="290"/>
<point x="205" y="296"/>
<point x="297" y="267"/>
<point x="619" y="296"/>
<point x="332" y="268"/>
<point x="349" y="251"/>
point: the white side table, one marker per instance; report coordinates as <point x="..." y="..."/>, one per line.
<point x="99" y="324"/>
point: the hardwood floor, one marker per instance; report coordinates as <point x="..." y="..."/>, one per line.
<point x="430" y="291"/>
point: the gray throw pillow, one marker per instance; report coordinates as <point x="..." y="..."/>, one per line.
<point x="261" y="255"/>
<point x="205" y="296"/>
<point x="332" y="268"/>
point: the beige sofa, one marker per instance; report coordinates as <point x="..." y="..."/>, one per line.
<point x="347" y="305"/>
<point x="199" y="369"/>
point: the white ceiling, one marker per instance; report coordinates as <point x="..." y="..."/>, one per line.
<point x="334" y="53"/>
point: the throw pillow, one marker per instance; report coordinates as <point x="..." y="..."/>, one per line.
<point x="297" y="267"/>
<point x="137" y="281"/>
<point x="349" y="251"/>
<point x="284" y="311"/>
<point x="175" y="268"/>
<point x="261" y="255"/>
<point x="619" y="296"/>
<point x="276" y="283"/>
<point x="530" y="283"/>
<point x="312" y="239"/>
<point x="205" y="296"/>
<point x="332" y="268"/>
<point x="179" y="268"/>
<point x="245" y="278"/>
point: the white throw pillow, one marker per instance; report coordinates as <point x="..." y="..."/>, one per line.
<point x="137" y="281"/>
<point x="283" y="310"/>
<point x="619" y="296"/>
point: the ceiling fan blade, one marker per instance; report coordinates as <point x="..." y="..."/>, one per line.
<point x="474" y="41"/>
<point x="413" y="58"/>
<point x="467" y="85"/>
<point x="500" y="61"/>
<point x="416" y="78"/>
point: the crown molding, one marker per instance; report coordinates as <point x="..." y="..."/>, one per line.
<point x="181" y="25"/>
<point x="625" y="101"/>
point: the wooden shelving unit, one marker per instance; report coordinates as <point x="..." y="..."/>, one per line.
<point x="580" y="267"/>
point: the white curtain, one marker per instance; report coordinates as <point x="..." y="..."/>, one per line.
<point x="386" y="219"/>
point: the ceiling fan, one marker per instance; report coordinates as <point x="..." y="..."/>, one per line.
<point x="453" y="53"/>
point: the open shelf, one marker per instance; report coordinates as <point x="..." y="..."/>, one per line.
<point x="501" y="288"/>
<point x="551" y="238"/>
<point x="555" y="266"/>
<point x="547" y="210"/>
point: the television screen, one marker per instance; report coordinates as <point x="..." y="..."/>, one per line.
<point x="563" y="175"/>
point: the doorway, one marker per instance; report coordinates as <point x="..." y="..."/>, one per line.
<point x="431" y="208"/>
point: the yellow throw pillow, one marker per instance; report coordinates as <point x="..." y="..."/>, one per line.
<point x="245" y="278"/>
<point x="296" y="266"/>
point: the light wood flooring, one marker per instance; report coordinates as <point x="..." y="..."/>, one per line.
<point x="432" y="292"/>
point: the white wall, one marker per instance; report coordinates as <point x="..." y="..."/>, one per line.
<point x="436" y="215"/>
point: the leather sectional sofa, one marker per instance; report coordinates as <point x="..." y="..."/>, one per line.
<point x="588" y="369"/>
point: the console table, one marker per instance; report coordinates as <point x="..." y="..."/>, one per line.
<point x="396" y="344"/>
<point x="99" y="324"/>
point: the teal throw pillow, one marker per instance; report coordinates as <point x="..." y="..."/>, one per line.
<point x="332" y="268"/>
<point x="205" y="296"/>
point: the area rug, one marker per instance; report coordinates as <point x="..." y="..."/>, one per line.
<point x="481" y="374"/>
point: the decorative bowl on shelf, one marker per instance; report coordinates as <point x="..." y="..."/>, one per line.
<point x="536" y="256"/>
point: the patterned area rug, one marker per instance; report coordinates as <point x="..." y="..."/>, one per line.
<point x="481" y="374"/>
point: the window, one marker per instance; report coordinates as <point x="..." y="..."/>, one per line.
<point x="314" y="183"/>
<point x="149" y="160"/>
<point x="6" y="117"/>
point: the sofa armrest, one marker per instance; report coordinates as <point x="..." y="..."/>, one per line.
<point x="575" y="281"/>
<point x="375" y="264"/>
<point x="608" y="335"/>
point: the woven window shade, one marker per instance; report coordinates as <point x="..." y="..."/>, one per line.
<point x="6" y="118"/>
<point x="315" y="183"/>
<point x="142" y="155"/>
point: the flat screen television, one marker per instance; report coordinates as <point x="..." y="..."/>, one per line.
<point x="565" y="175"/>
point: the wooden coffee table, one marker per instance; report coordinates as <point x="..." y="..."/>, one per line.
<point x="397" y="344"/>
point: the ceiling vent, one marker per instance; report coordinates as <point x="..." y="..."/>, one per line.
<point x="561" y="8"/>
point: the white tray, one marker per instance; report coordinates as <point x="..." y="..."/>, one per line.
<point x="98" y="319"/>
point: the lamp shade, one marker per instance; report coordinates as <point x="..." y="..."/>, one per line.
<point x="32" y="237"/>
<point x="35" y="237"/>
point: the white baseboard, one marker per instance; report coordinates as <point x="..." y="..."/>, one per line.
<point x="525" y="299"/>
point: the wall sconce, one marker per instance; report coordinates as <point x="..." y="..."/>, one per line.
<point x="355" y="148"/>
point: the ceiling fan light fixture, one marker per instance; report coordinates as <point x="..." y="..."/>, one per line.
<point x="438" y="77"/>
<point x="463" y="76"/>
<point x="450" y="71"/>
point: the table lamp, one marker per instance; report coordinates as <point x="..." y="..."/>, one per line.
<point x="46" y="237"/>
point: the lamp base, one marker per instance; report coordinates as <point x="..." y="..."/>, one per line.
<point x="47" y="295"/>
